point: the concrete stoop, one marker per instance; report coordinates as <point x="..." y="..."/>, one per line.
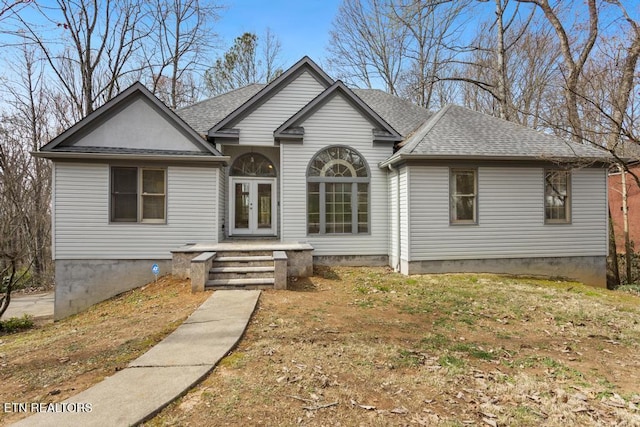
<point x="162" y="374"/>
<point x="232" y="270"/>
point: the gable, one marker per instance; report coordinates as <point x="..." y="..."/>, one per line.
<point x="258" y="126"/>
<point x="133" y="123"/>
<point x="267" y="109"/>
<point x="137" y="125"/>
<point x="380" y="130"/>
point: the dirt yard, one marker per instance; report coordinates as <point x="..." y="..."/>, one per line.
<point x="369" y="347"/>
<point x="57" y="360"/>
<point x="354" y="346"/>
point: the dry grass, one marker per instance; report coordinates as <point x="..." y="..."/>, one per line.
<point x="370" y="347"/>
<point x="57" y="360"/>
<point x="355" y="346"/>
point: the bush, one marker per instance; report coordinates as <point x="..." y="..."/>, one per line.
<point x="16" y="324"/>
<point x="633" y="288"/>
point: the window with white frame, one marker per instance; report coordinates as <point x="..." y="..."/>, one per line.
<point x="138" y="194"/>
<point x="463" y="196"/>
<point x="338" y="192"/>
<point x="557" y="196"/>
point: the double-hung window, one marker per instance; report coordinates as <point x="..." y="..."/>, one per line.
<point x="337" y="192"/>
<point x="138" y="195"/>
<point x="463" y="196"/>
<point x="557" y="196"/>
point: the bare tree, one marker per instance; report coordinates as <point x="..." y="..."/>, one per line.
<point x="271" y="54"/>
<point x="7" y="7"/>
<point x="512" y="70"/>
<point x="15" y="261"/>
<point x="575" y="53"/>
<point x="24" y="180"/>
<point x="182" y="38"/>
<point x="368" y="44"/>
<point x="87" y="44"/>
<point x="432" y="27"/>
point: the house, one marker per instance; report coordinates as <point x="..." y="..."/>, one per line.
<point x="633" y="206"/>
<point x="307" y="164"/>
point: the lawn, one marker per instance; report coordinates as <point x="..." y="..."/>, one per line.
<point x="358" y="346"/>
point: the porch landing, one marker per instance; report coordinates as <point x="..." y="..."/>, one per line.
<point x="230" y="258"/>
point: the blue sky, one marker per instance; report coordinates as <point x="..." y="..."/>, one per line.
<point x="302" y="26"/>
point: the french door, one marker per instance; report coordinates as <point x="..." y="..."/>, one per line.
<point x="252" y="206"/>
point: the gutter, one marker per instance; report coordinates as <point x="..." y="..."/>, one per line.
<point x="569" y="159"/>
<point x="111" y="156"/>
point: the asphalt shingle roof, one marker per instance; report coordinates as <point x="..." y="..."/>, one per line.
<point x="460" y="132"/>
<point x="203" y="115"/>
<point x="402" y="115"/>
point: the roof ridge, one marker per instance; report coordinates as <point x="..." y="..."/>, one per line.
<point x="569" y="143"/>
<point x="221" y="95"/>
<point x="305" y="64"/>
<point x="422" y="131"/>
<point x="351" y="97"/>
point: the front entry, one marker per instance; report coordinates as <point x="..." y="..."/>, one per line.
<point x="253" y="196"/>
<point x="253" y="206"/>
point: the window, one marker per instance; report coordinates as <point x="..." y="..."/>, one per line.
<point x="557" y="196"/>
<point x="337" y="192"/>
<point x="253" y="164"/>
<point x="464" y="193"/>
<point x="138" y="195"/>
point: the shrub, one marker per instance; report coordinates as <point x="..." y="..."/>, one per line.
<point x="16" y="324"/>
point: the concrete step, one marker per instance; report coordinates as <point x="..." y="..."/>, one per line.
<point x="241" y="269"/>
<point x="249" y="283"/>
<point x="252" y="258"/>
<point x="243" y="253"/>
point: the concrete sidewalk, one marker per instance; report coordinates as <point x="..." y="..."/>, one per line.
<point x="36" y="305"/>
<point x="163" y="373"/>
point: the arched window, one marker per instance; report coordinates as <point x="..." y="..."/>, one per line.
<point x="337" y="192"/>
<point x="253" y="164"/>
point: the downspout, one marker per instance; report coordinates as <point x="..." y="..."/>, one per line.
<point x="398" y="249"/>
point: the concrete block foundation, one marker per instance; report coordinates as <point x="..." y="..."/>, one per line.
<point x="352" y="260"/>
<point x="590" y="270"/>
<point x="82" y="283"/>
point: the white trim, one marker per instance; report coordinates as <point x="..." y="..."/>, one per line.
<point x="281" y="184"/>
<point x="53" y="211"/>
<point x="409" y="216"/>
<point x="217" y="216"/>
<point x="110" y="156"/>
<point x="253" y="214"/>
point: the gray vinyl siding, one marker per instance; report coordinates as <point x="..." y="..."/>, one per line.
<point x="138" y="125"/>
<point x="257" y="128"/>
<point x="336" y="123"/>
<point x="81" y="207"/>
<point x="510" y="216"/>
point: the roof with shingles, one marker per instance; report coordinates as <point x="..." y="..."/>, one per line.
<point x="203" y="115"/>
<point x="459" y="132"/>
<point x="402" y="115"/>
<point x="64" y="141"/>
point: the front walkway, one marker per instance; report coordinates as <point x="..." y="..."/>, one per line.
<point x="163" y="373"/>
